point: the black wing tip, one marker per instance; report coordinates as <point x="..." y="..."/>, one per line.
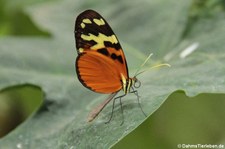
<point x="89" y="13"/>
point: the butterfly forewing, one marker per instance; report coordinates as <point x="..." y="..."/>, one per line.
<point x="93" y="32"/>
<point x="101" y="61"/>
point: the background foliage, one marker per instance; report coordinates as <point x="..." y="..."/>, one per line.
<point x="39" y="89"/>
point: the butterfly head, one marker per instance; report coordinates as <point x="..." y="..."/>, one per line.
<point x="135" y="82"/>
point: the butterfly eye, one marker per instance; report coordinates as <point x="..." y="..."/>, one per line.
<point x="137" y="83"/>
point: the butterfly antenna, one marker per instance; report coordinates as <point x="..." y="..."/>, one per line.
<point x="159" y="65"/>
<point x="143" y="63"/>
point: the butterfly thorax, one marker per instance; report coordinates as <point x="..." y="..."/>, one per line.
<point x="127" y="83"/>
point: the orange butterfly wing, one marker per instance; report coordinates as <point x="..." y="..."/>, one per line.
<point x="101" y="63"/>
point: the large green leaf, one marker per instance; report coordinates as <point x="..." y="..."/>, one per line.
<point x="49" y="63"/>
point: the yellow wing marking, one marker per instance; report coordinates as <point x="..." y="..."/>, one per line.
<point x="82" y="25"/>
<point x="99" y="21"/>
<point x="99" y="40"/>
<point x="85" y="21"/>
<point x="81" y="50"/>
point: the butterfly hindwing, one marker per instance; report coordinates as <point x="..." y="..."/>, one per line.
<point x="101" y="62"/>
<point x="94" y="72"/>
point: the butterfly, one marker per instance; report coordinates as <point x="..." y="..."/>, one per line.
<point x="101" y="64"/>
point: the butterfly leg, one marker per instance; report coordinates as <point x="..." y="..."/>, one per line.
<point x="121" y="106"/>
<point x="136" y="93"/>
<point x="119" y="97"/>
<point x="111" y="112"/>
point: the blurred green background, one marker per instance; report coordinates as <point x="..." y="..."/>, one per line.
<point x="17" y="104"/>
<point x="180" y="120"/>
